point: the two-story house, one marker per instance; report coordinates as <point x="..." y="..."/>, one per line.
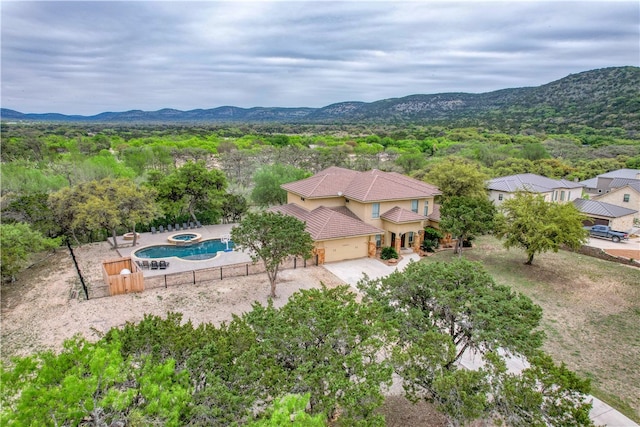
<point x="350" y="214"/>
<point x="620" y="188"/>
<point x="553" y="190"/>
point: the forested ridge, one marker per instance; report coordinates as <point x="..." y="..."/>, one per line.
<point x="602" y="99"/>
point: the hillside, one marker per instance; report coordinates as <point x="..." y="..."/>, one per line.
<point x="604" y="98"/>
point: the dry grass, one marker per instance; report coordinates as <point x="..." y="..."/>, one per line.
<point x="591" y="314"/>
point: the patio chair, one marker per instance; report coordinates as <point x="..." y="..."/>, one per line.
<point x="161" y="228"/>
<point x="139" y="264"/>
<point x="192" y="225"/>
<point x="163" y="264"/>
<point x="198" y="224"/>
<point x="185" y="226"/>
<point x="177" y="226"/>
<point x="145" y="265"/>
<point x="153" y="230"/>
<point x="169" y="228"/>
<point x="154" y="265"/>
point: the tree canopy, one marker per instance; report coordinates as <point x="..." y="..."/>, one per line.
<point x="190" y="189"/>
<point x="537" y="226"/>
<point x="269" y="178"/>
<point x="466" y="217"/>
<point x="442" y="310"/>
<point x="18" y="242"/>
<point x="107" y="204"/>
<point x="272" y="237"/>
<point x="456" y="176"/>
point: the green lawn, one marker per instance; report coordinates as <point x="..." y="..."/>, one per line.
<point x="591" y="313"/>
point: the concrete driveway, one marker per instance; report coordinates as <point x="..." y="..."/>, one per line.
<point x="352" y="271"/>
<point x="629" y="249"/>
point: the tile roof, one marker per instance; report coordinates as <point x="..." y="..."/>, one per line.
<point x="593" y="207"/>
<point x="529" y="182"/>
<point x="328" y="223"/>
<point x="435" y="215"/>
<point x="370" y="186"/>
<point x="399" y="215"/>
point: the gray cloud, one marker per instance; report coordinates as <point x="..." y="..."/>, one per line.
<point x="87" y="57"/>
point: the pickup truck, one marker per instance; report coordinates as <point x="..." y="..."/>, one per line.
<point x="605" y="232"/>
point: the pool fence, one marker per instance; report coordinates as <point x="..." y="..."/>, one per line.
<point x="199" y="276"/>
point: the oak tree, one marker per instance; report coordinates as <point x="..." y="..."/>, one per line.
<point x="537" y="226"/>
<point x="272" y="237"/>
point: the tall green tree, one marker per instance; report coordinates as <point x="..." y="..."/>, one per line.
<point x="326" y="344"/>
<point x="17" y="242"/>
<point x="191" y="189"/>
<point x="461" y="300"/>
<point x="529" y="222"/>
<point x="272" y="237"/>
<point x="109" y="204"/>
<point x="457" y="176"/>
<point x="441" y="310"/>
<point x="268" y="179"/>
<point x="466" y="217"/>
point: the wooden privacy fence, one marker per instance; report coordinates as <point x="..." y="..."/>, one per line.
<point x="194" y="277"/>
<point x="122" y="276"/>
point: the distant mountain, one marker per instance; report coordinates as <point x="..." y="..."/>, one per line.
<point x="604" y="98"/>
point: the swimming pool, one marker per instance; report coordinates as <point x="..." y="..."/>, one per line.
<point x="196" y="251"/>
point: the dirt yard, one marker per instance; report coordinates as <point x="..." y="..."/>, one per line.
<point x="46" y="306"/>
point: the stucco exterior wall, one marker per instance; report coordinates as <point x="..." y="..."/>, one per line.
<point x="311" y="204"/>
<point x="364" y="211"/>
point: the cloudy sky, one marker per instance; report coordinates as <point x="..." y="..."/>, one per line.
<point x="86" y="57"/>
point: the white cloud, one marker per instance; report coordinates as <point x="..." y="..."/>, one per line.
<point x="88" y="57"/>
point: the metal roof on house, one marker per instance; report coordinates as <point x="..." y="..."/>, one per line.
<point x="370" y="186"/>
<point x="399" y="215"/>
<point x="622" y="173"/>
<point x="593" y="207"/>
<point x="328" y="223"/>
<point x="529" y="182"/>
<point x="623" y="182"/>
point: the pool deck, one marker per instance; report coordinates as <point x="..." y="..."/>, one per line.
<point x="177" y="265"/>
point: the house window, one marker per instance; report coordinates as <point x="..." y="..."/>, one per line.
<point x="410" y="238"/>
<point x="562" y="196"/>
<point x="626" y="198"/>
<point x="500" y="197"/>
<point x="426" y="208"/>
<point x="555" y="195"/>
<point x="569" y="196"/>
<point x="375" y="210"/>
<point x="378" y="240"/>
<point x="414" y="206"/>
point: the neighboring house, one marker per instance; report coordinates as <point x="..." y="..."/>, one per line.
<point x="606" y="182"/>
<point x="601" y="213"/>
<point x="620" y="187"/>
<point x="350" y="214"/>
<point x="553" y="190"/>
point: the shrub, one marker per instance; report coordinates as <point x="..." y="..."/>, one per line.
<point x="388" y="253"/>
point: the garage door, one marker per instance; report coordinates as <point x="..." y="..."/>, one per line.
<point x="595" y="221"/>
<point x="340" y="250"/>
